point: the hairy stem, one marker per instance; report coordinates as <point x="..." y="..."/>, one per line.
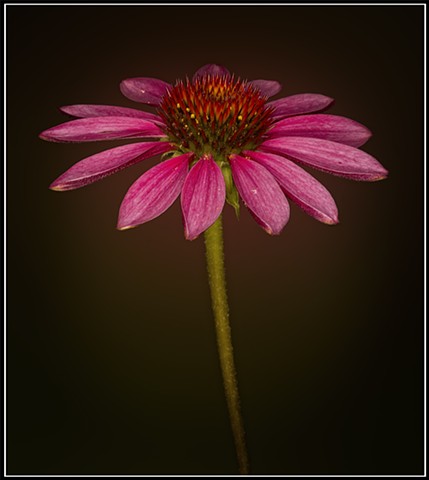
<point x="216" y="271"/>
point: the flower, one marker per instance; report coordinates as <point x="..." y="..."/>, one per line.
<point x="221" y="139"/>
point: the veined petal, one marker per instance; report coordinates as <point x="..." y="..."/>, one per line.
<point x="299" y="104"/>
<point x="101" y="128"/>
<point x="144" y="89"/>
<point x="154" y="192"/>
<point x="261" y="193"/>
<point x="203" y="197"/>
<point x="299" y="186"/>
<point x="329" y="127"/>
<point x="87" y="111"/>
<point x="212" y="70"/>
<point x="268" y="88"/>
<point x="331" y="157"/>
<point x="106" y="163"/>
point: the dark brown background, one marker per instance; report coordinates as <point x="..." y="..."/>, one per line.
<point x="112" y="364"/>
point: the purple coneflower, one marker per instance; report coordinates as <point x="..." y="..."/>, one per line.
<point x="222" y="138"/>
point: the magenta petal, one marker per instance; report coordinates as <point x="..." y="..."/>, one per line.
<point x="261" y="193"/>
<point x="144" y="89"/>
<point x="268" y="88"/>
<point x="331" y="157"/>
<point x="154" y="192"/>
<point x="299" y="186"/>
<point x="329" y="127"/>
<point x="203" y="197"/>
<point x="211" y="69"/>
<point x="101" y="128"/>
<point x="299" y="104"/>
<point x="106" y="163"/>
<point x="87" y="111"/>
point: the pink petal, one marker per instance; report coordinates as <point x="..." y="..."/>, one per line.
<point x="87" y="111"/>
<point x="299" y="186"/>
<point x="144" y="89"/>
<point x="299" y="104"/>
<point x="154" y="192"/>
<point x="329" y="127"/>
<point x="268" y="88"/>
<point x="212" y="70"/>
<point x="203" y="197"/>
<point x="101" y="128"/>
<point x="261" y="194"/>
<point x="106" y="163"/>
<point x="331" y="157"/>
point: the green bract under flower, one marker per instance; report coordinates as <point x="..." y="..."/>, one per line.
<point x="216" y="115"/>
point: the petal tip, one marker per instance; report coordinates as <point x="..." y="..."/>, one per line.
<point x="331" y="221"/>
<point x="57" y="187"/>
<point x="273" y="232"/>
<point x="365" y="136"/>
<point x="377" y="176"/>
<point x="127" y="90"/>
<point x="192" y="233"/>
<point x="49" y="136"/>
<point x="382" y="176"/>
<point x="123" y="85"/>
<point x="44" y="136"/>
<point x="191" y="236"/>
<point x="121" y="228"/>
<point x="211" y="69"/>
<point x="65" y="109"/>
<point x="330" y="102"/>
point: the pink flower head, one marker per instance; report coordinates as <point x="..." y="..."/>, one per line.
<point x="222" y="139"/>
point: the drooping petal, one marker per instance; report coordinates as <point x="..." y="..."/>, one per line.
<point x="331" y="157"/>
<point x="212" y="70"/>
<point x="101" y="128"/>
<point x="144" y="89"/>
<point x="268" y="88"/>
<point x="87" y="111"/>
<point x="102" y="164"/>
<point x="261" y="193"/>
<point x="203" y="197"/>
<point x="299" y="186"/>
<point x="299" y="104"/>
<point x="154" y="192"/>
<point x="329" y="127"/>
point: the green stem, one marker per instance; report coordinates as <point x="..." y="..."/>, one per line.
<point x="216" y="271"/>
